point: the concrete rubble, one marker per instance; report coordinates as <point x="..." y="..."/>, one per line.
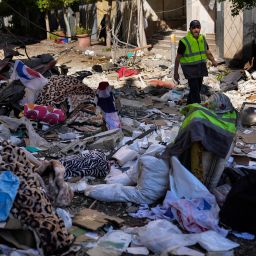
<point x="149" y="115"/>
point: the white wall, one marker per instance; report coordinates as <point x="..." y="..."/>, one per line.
<point x="200" y="10"/>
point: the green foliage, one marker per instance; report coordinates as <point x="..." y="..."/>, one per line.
<point x="18" y="5"/>
<point x="56" y="35"/>
<point x="45" y="5"/>
<point x="240" y="5"/>
<point x="106" y="49"/>
<point x="80" y="30"/>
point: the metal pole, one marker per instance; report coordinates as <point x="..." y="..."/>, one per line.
<point x="173" y="48"/>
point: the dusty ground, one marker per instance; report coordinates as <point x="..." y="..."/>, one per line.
<point x="76" y="60"/>
<point x="69" y="54"/>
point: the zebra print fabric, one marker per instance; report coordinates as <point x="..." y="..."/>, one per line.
<point x="88" y="163"/>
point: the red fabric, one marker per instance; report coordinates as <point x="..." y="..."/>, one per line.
<point x="123" y="71"/>
<point x="160" y="83"/>
<point x="46" y="114"/>
<point x="103" y="85"/>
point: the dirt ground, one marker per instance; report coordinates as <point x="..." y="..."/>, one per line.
<point x="76" y="60"/>
<point x="70" y="54"/>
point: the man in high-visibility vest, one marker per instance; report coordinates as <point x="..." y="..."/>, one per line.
<point x="192" y="54"/>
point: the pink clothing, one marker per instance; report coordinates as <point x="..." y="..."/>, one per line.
<point x="46" y="114"/>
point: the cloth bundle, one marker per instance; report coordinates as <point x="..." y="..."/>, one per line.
<point x="124" y="72"/>
<point x="28" y="77"/>
<point x="47" y="114"/>
<point x="106" y="101"/>
<point x="32" y="206"/>
<point x="76" y="99"/>
<point x="88" y="163"/>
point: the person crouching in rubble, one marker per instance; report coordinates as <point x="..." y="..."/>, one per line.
<point x="192" y="54"/>
<point x="206" y="133"/>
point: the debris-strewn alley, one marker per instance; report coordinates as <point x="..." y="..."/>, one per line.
<point x="138" y="140"/>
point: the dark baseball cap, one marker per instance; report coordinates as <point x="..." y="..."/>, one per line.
<point x="195" y="23"/>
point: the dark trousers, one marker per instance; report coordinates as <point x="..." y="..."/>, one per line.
<point x="195" y="85"/>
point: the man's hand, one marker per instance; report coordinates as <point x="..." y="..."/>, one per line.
<point x="211" y="58"/>
<point x="214" y="63"/>
<point x="177" y="77"/>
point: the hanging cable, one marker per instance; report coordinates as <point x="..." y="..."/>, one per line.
<point x="40" y="26"/>
<point x="16" y="38"/>
<point x="172" y="10"/>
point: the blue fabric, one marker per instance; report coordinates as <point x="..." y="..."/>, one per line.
<point x="9" y="184"/>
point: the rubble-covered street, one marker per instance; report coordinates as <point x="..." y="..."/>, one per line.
<point x="127" y="128"/>
<point x="109" y="185"/>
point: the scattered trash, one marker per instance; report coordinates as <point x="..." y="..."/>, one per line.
<point x="65" y="117"/>
<point x="168" y="237"/>
<point x="9" y="184"/>
<point x="92" y="219"/>
<point x="89" y="53"/>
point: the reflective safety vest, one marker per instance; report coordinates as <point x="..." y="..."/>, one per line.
<point x="195" y="50"/>
<point x="226" y="122"/>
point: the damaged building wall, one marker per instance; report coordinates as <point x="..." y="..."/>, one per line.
<point x="171" y="14"/>
<point x="249" y="34"/>
<point x="129" y="13"/>
<point x="235" y="39"/>
<point x="233" y="33"/>
<point x="201" y="10"/>
<point x="174" y="13"/>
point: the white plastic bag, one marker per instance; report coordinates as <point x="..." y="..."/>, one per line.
<point x="116" y="176"/>
<point x="28" y="77"/>
<point x="183" y="183"/>
<point x="116" y="240"/>
<point x="212" y="241"/>
<point x="192" y="205"/>
<point x="161" y="236"/>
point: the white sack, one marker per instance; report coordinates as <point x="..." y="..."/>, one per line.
<point x="152" y="184"/>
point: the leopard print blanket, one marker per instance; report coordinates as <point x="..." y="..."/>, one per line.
<point x="76" y="99"/>
<point x="32" y="205"/>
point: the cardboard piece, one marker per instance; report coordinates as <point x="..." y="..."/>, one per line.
<point x="93" y="219"/>
<point x="241" y="160"/>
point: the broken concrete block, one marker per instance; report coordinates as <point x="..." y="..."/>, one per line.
<point x="98" y="141"/>
<point x="107" y="140"/>
<point x="127" y="130"/>
<point x="131" y="103"/>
